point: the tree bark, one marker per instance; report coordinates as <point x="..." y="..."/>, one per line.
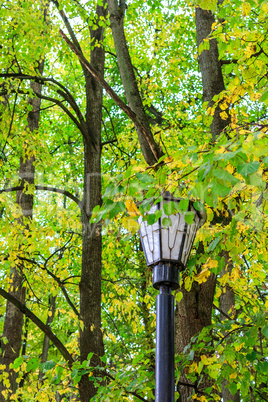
<point x="210" y="67"/>
<point x="227" y="302"/>
<point x="91" y="339"/>
<point x="193" y="313"/>
<point x="195" y="309"/>
<point x="128" y="78"/>
<point x="50" y="318"/>
<point x="14" y="317"/>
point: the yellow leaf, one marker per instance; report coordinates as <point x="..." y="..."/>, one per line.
<point x="204" y="359"/>
<point x="132" y="209"/>
<point x="212" y="264"/>
<point x="202" y="277"/>
<point x="246" y="8"/>
<point x="188" y="283"/>
<point x="230" y="168"/>
<point x="178" y="296"/>
<point x="233" y="375"/>
<point x="265" y="8"/>
<point x="224" y="115"/>
<point x="130" y="224"/>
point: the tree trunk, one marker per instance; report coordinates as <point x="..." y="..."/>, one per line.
<point x="210" y="66"/>
<point x="14" y="318"/>
<point x="50" y="318"/>
<point x="91" y="339"/>
<point x="195" y="309"/>
<point x="227" y="302"/>
<point x="129" y="80"/>
<point x="193" y="313"/>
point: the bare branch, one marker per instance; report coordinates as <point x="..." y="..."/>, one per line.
<point x="45" y="188"/>
<point x="43" y="327"/>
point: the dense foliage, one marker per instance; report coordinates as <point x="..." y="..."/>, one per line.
<point x="226" y="175"/>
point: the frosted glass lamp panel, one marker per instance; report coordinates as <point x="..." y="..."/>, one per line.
<point x="189" y="238"/>
<point x="164" y="243"/>
<point x="171" y="237"/>
<point x="167" y="233"/>
<point x="178" y="237"/>
<point x="150" y="239"/>
<point x="154" y="241"/>
<point x="145" y="243"/>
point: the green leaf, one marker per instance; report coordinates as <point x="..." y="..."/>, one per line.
<point x="198" y="206"/>
<point x="151" y="219"/>
<point x="48" y="365"/>
<point x="264" y="97"/>
<point x="222" y="174"/>
<point x="265" y="331"/>
<point x="145" y="178"/>
<point x="247" y="168"/>
<point x="233" y="388"/>
<point x="17" y="362"/>
<point x="255" y="179"/>
<point x="166" y="222"/>
<point x="116" y="208"/>
<point x="251" y="356"/>
<point x="265" y="160"/>
<point x="171" y="208"/>
<point x="244" y="387"/>
<point x="32" y="364"/>
<point x="183" y="204"/>
<point x="190" y="355"/>
<point x="189" y="217"/>
<point x="220" y="189"/>
<point x="226" y="156"/>
<point x="208" y="4"/>
<point x="213" y="244"/>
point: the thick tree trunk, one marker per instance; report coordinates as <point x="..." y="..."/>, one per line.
<point x="91" y="339"/>
<point x="194" y="311"/>
<point x="210" y="66"/>
<point x="14" y="318"/>
<point x="129" y="80"/>
<point x="213" y="84"/>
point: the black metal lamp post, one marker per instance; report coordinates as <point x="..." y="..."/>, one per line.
<point x="167" y="249"/>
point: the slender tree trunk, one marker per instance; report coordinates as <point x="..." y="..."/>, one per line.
<point x="227" y="302"/>
<point x="128" y="79"/>
<point x="13" y="323"/>
<point x="91" y="339"/>
<point x="50" y="318"/>
<point x="150" y="345"/>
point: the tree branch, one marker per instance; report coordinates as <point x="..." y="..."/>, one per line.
<point x="56" y="101"/>
<point x="113" y="95"/>
<point x="128" y="392"/>
<point x="45" y="188"/>
<point x="68" y="25"/>
<point x="56" y="278"/>
<point x="44" y="328"/>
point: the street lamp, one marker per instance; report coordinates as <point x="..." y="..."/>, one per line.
<point x="167" y="249"/>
